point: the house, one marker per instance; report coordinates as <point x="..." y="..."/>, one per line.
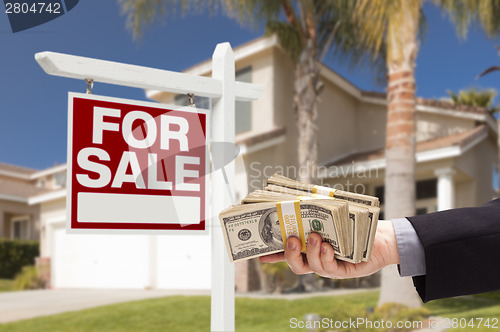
<point x="457" y="155"/>
<point x="21" y="189"/>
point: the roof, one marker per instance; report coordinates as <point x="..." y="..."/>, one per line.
<point x="460" y="140"/>
<point x="20" y="189"/>
<point x="16" y="169"/>
<point x="432" y="103"/>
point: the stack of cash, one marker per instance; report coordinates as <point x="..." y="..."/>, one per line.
<point x="266" y="218"/>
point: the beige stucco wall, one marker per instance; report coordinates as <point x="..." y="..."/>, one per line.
<point x="263" y="163"/>
<point x="371" y="120"/>
<point x="477" y="164"/>
<point x="431" y="125"/>
<point x="337" y="123"/>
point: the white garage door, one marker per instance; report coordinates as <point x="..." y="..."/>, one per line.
<point x="184" y="262"/>
<point x="99" y="261"/>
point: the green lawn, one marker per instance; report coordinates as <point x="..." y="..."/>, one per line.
<point x="6" y="285"/>
<point x="193" y="314"/>
<point x="468" y="308"/>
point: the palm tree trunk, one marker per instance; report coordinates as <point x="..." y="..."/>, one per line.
<point x="400" y="145"/>
<point x="307" y="88"/>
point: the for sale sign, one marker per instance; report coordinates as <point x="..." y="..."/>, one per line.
<point x="135" y="165"/>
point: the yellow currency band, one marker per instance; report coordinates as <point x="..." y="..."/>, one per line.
<point x="324" y="191"/>
<point x="290" y="218"/>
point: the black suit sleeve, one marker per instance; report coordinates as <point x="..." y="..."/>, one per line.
<point x="462" y="251"/>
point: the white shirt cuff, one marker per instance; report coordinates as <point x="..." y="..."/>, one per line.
<point x="411" y="251"/>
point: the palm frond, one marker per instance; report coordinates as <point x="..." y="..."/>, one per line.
<point x="475" y="97"/>
<point x="253" y="12"/>
<point x="487" y="71"/>
<point x="463" y="13"/>
<point x="142" y="13"/>
<point x="380" y="23"/>
<point x="288" y="37"/>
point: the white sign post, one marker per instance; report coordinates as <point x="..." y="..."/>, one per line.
<point x="224" y="91"/>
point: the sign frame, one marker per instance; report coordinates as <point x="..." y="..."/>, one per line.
<point x="190" y="109"/>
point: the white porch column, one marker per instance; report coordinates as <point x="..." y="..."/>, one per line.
<point x="445" y="188"/>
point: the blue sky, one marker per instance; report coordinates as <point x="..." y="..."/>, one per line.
<point x="33" y="114"/>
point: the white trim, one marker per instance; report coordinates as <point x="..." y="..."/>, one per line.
<point x="57" y="222"/>
<point x="474" y="142"/>
<point x="437" y="110"/>
<point x="374" y="100"/>
<point x="447" y="112"/>
<point x="436" y="154"/>
<point x="493" y="124"/>
<point x="246" y="150"/>
<point x="340" y="157"/>
<point x="15" y="174"/>
<point x="35" y="174"/>
<point x="48" y="171"/>
<point x="423" y="156"/>
<point x="339" y="81"/>
<point x="13" y="198"/>
<point x="53" y="195"/>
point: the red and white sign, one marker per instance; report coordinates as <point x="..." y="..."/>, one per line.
<point x="135" y="165"/>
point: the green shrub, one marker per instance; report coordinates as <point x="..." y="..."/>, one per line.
<point x="14" y="254"/>
<point x="276" y="273"/>
<point x="29" y="278"/>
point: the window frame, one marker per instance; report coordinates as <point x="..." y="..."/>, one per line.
<point x="20" y="219"/>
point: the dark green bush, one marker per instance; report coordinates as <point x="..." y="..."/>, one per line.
<point x="14" y="254"/>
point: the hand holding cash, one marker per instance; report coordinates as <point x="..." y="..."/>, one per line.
<point x="320" y="256"/>
<point x="287" y="211"/>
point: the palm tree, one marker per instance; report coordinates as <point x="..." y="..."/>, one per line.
<point x="474" y="97"/>
<point x="395" y="23"/>
<point x="307" y="30"/>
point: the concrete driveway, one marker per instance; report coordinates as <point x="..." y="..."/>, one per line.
<point x="29" y="304"/>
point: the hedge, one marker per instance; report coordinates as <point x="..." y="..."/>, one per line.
<point x="14" y="254"/>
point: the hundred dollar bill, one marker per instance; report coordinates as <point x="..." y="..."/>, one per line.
<point x="254" y="230"/>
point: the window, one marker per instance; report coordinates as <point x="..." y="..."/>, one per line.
<point x="379" y="192"/>
<point x="420" y="211"/>
<point x="20" y="228"/>
<point x="424" y="189"/>
<point x="243" y="109"/>
<point x="60" y="179"/>
<point x="427" y="189"/>
<point x="41" y="183"/>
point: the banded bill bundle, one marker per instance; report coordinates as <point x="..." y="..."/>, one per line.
<point x="266" y="218"/>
